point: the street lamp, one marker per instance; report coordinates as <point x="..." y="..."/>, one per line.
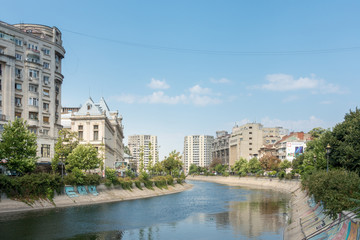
<point x="328" y="150"/>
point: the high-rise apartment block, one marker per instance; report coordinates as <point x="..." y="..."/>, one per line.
<point x="95" y="124"/>
<point x="31" y="79"/>
<point x="145" y="147"/>
<point x="197" y="150"/>
<point x="246" y="140"/>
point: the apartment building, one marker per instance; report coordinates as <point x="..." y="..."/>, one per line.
<point x="220" y="147"/>
<point x="146" y="144"/>
<point x="197" y="150"/>
<point x="95" y="124"/>
<point x="246" y="140"/>
<point x="31" y="80"/>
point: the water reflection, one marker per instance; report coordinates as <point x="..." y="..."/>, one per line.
<point x="208" y="211"/>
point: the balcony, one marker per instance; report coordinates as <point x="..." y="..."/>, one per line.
<point x="2" y="117"/>
<point x="33" y="50"/>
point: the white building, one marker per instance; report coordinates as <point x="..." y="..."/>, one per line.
<point x="98" y="126"/>
<point x="197" y="150"/>
<point x="30" y="81"/>
<point x="146" y="144"/>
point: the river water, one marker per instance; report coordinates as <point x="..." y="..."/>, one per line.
<point x="207" y="211"/>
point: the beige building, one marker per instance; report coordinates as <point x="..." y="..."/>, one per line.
<point x="197" y="150"/>
<point x="98" y="126"/>
<point x="246" y="140"/>
<point x="31" y="79"/>
<point x="147" y="144"/>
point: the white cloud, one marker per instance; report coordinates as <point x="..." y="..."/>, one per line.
<point x="160" y="97"/>
<point x="197" y="96"/>
<point x="285" y="82"/>
<point x="158" y="84"/>
<point x="199" y="90"/>
<point x="221" y="80"/>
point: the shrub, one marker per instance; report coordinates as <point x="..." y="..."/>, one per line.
<point x="31" y="187"/>
<point x="111" y="176"/>
<point x="169" y="180"/>
<point x="125" y="183"/>
<point x="160" y="181"/>
<point x="281" y="175"/>
<point x="76" y="177"/>
<point x="289" y="176"/>
<point x="92" y="179"/>
<point x="138" y="184"/>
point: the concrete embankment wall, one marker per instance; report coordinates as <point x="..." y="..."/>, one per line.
<point x="113" y="194"/>
<point x="306" y="217"/>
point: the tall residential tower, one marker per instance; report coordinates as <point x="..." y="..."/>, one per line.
<point x="197" y="150"/>
<point x="146" y="145"/>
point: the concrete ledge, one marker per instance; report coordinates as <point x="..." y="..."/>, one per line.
<point x="105" y="195"/>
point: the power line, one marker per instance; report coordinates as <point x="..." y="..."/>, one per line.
<point x="215" y="52"/>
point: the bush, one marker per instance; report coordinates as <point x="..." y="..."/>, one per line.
<point x="31" y="187"/>
<point x="138" y="184"/>
<point x="76" y="177"/>
<point x="281" y="175"/>
<point x="289" y="176"/>
<point x="170" y="180"/>
<point x="92" y="179"/>
<point x="333" y="189"/>
<point x="125" y="183"/>
<point x="111" y="175"/>
<point x="160" y="181"/>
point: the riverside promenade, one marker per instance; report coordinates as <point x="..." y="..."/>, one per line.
<point x="106" y="195"/>
<point x="298" y="201"/>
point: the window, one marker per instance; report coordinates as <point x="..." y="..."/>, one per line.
<point x="46" y="92"/>
<point x="33" y="73"/>
<point x="0" y="100"/>
<point x="17" y="114"/>
<point x="33" y="115"/>
<point x="33" y="101"/>
<point x="33" y="130"/>
<point x="18" y="42"/>
<point x="46" y="51"/>
<point x="45" y="131"/>
<point x="33" y="88"/>
<point x="33" y="47"/>
<point x="250" y="138"/>
<point x="45" y="150"/>
<point x="80" y="132"/>
<point x="46" y="106"/>
<point x="46" y="80"/>
<point x="17" y="102"/>
<point x="46" y="65"/>
<point x="18" y="56"/>
<point x="46" y="119"/>
<point x="96" y="132"/>
<point x="250" y="132"/>
<point x="18" y="86"/>
<point x="250" y="149"/>
<point x="57" y="58"/>
<point x="18" y="72"/>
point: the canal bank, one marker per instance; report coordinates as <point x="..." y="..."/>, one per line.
<point x="298" y="201"/>
<point x="106" y="195"/>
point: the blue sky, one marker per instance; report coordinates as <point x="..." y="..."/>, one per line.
<point x="177" y="68"/>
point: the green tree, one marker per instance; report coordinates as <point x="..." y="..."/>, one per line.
<point x="193" y="169"/>
<point x="158" y="168"/>
<point x="254" y="165"/>
<point x="215" y="161"/>
<point x="127" y="150"/>
<point x="65" y="144"/>
<point x="285" y="164"/>
<point x="19" y="147"/>
<point x="317" y="132"/>
<point x="270" y="163"/>
<point x="172" y="163"/>
<point x="150" y="165"/>
<point x="141" y="159"/>
<point x="84" y="157"/>
<point x="345" y="143"/>
<point x="241" y="166"/>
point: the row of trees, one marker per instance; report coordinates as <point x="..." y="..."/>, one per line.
<point x="244" y="167"/>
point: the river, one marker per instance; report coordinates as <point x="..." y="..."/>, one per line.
<point x="207" y="211"/>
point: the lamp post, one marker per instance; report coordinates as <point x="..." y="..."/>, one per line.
<point x="328" y="150"/>
<point x="314" y="159"/>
